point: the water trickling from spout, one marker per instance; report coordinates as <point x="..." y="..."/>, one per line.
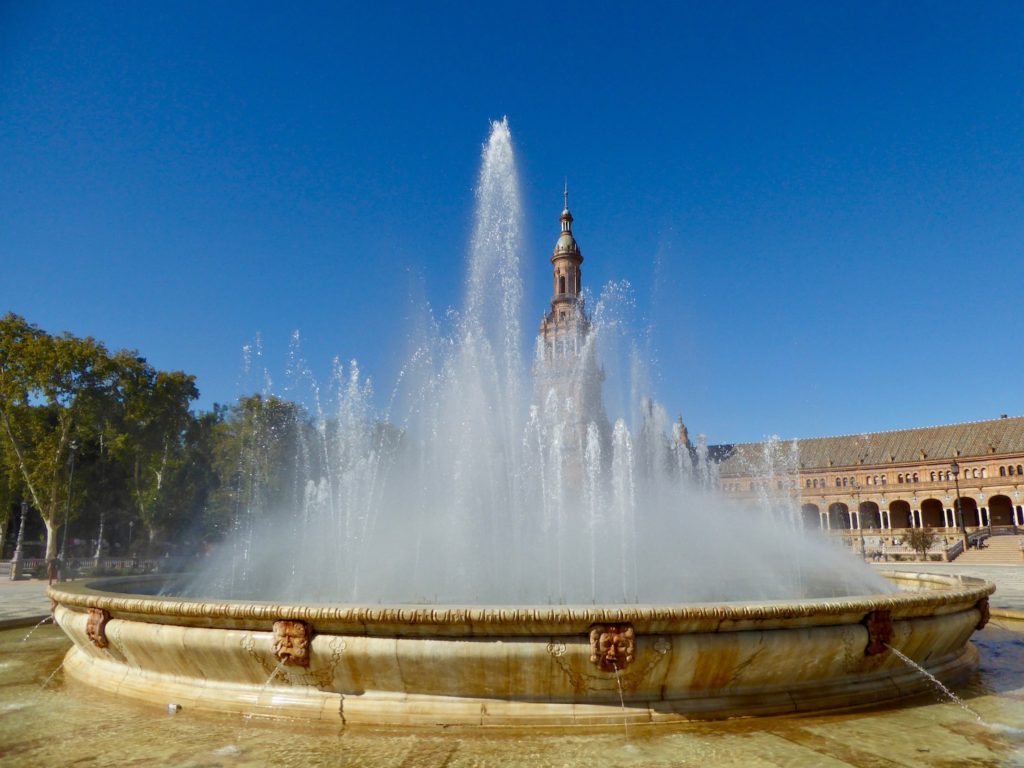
<point x="936" y="683"/>
<point x="278" y="668"/>
<point x="622" y="698"/>
<point x="41" y="622"/>
<point x="46" y="682"/>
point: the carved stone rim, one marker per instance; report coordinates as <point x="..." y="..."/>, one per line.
<point x="956" y="592"/>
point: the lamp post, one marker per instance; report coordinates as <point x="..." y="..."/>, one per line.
<point x="16" y="559"/>
<point x="988" y="515"/>
<point x="955" y="469"/>
<point x="67" y="507"/>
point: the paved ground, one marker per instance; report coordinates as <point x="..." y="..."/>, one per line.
<point x="1009" y="579"/>
<point x="22" y="599"/>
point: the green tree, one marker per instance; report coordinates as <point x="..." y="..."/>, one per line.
<point x="921" y="540"/>
<point x="257" y="453"/>
<point x="10" y="495"/>
<point x="51" y="389"/>
<point x="147" y="431"/>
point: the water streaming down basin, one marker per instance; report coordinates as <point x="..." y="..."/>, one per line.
<point x="492" y="478"/>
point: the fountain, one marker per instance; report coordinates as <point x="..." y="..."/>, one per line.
<point x="493" y="550"/>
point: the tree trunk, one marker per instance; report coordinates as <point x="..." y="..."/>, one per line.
<point x="52" y="527"/>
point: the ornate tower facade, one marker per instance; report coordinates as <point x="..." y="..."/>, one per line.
<point x="569" y="366"/>
<point x="564" y="327"/>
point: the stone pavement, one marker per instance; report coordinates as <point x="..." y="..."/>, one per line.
<point x="1009" y="579"/>
<point x="22" y="600"/>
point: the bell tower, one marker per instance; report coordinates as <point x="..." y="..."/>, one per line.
<point x="567" y="320"/>
<point x="568" y="368"/>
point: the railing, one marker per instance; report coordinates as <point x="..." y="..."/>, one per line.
<point x="87" y="566"/>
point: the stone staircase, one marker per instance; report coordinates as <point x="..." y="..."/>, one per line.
<point x="1001" y="550"/>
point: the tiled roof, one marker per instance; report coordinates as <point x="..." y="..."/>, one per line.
<point x="973" y="439"/>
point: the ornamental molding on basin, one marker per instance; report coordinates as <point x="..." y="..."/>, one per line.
<point x="430" y="620"/>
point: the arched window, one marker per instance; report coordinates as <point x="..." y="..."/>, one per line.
<point x="884" y="479"/>
<point x="844" y="482"/>
<point x="1002" y="471"/>
<point x="899" y="478"/>
<point x="933" y="477"/>
<point x="915" y="477"/>
<point x="984" y="471"/>
<point x="561" y="283"/>
<point x="1019" y="468"/>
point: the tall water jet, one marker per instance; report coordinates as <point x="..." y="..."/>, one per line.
<point x="483" y="475"/>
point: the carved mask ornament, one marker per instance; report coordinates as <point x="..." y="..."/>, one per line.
<point x="879" y="625"/>
<point x="291" y="642"/>
<point x="96" y="627"/>
<point x="986" y="613"/>
<point x="612" y="646"/>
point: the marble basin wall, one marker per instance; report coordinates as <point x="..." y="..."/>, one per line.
<point x="427" y="665"/>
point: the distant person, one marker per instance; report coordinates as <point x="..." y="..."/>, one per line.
<point x="53" y="569"/>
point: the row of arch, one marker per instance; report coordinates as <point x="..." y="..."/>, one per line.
<point x="1009" y="470"/>
<point x="899" y="514"/>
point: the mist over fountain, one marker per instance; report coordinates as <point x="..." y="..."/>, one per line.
<point x="496" y="477"/>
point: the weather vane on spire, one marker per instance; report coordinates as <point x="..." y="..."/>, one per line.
<point x="566" y="193"/>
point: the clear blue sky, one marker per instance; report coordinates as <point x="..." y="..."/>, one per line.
<point x="821" y="206"/>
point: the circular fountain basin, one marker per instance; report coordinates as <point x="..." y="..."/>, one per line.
<point x="507" y="665"/>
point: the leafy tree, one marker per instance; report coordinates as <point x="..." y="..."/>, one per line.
<point x="921" y="540"/>
<point x="147" y="430"/>
<point x="51" y="388"/>
<point x="125" y="423"/>
<point x="10" y="495"/>
<point x="258" y="449"/>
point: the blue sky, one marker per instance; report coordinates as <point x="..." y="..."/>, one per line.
<point x="820" y="207"/>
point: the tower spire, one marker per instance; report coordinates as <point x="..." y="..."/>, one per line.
<point x="567" y="193"/>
